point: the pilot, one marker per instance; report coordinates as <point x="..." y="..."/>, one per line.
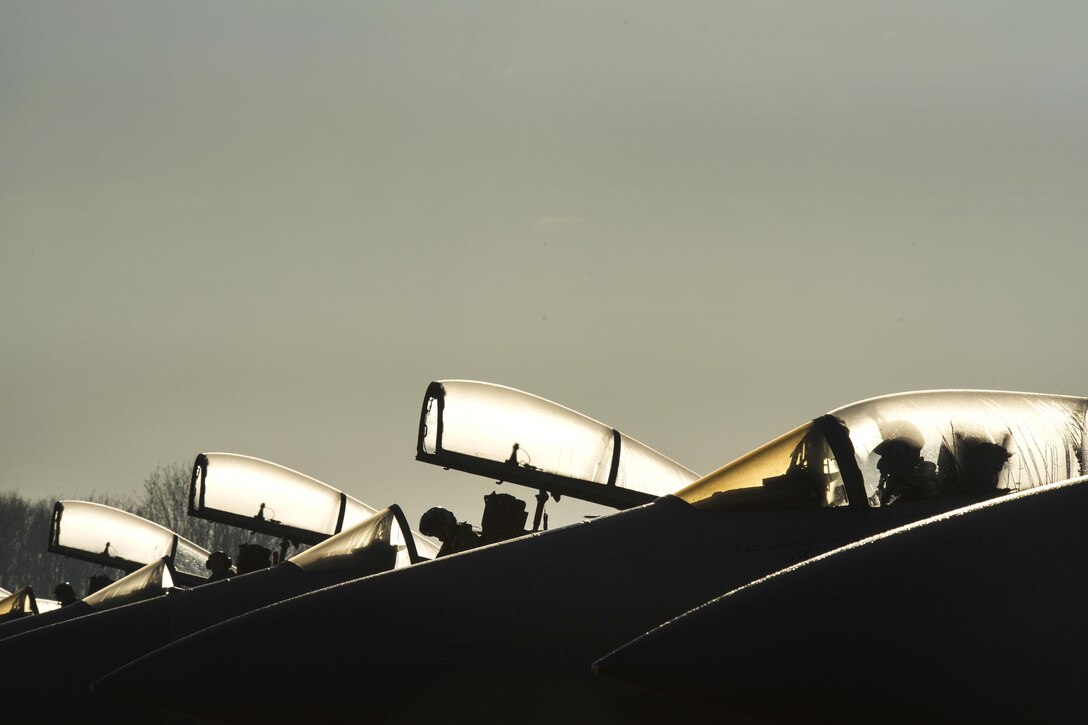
<point x="904" y="474"/>
<point x="443" y="525"/>
<point x="219" y="565"/>
<point x="980" y="464"/>
<point x="65" y="594"/>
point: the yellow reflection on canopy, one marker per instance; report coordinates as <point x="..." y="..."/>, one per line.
<point x="777" y="475"/>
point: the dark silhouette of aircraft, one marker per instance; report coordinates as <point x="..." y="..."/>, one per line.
<point x="224" y="487"/>
<point x="153" y="580"/>
<point x="111" y="537"/>
<point x="58" y="662"/>
<point x="970" y="616"/>
<point x="509" y="631"/>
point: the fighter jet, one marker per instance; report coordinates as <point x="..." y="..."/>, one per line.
<point x="970" y="616"/>
<point x="509" y="631"/>
<point x="152" y="580"/>
<point x="224" y="487"/>
<point x="109" y="536"/>
<point x="57" y="663"/>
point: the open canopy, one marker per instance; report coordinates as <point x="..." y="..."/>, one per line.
<point x="268" y="498"/>
<point x="112" y="537"/>
<point x="509" y="435"/>
<point x="149" y="581"/>
<point x="908" y="447"/>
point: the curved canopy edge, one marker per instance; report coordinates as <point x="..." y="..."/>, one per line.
<point x="510" y="435"/>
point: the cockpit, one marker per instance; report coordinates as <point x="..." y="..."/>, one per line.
<point x="887" y="451"/>
<point x="897" y="449"/>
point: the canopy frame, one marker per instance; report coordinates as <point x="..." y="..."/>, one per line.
<point x="608" y="494"/>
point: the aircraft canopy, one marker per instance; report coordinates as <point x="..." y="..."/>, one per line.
<point x="149" y="581"/>
<point x="506" y="434"/>
<point x="797" y="470"/>
<point x="112" y="537"/>
<point x="18" y="603"/>
<point x="907" y="447"/>
<point x="379" y="543"/>
<point x="268" y="498"/>
<point x="965" y="442"/>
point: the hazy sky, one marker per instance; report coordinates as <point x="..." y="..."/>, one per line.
<point x="265" y="227"/>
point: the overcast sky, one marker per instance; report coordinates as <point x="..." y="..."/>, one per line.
<point x="265" y="227"/>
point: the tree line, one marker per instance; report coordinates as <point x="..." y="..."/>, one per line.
<point x="164" y="499"/>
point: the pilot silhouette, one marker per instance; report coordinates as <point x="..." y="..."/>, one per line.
<point x="442" y="524"/>
<point x="904" y="474"/>
<point x="980" y="463"/>
<point x="219" y="565"/>
<point x="65" y="594"/>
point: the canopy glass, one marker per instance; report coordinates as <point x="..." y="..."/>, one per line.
<point x="18" y="603"/>
<point x="266" y="497"/>
<point x="510" y="435"/>
<point x="795" y="471"/>
<point x="380" y="543"/>
<point x="150" y="581"/>
<point x="109" y="536"/>
<point x="908" y="447"/>
<point x="946" y="443"/>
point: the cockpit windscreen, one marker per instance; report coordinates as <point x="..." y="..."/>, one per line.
<point x="381" y="543"/>
<point x="795" y="471"/>
<point x="151" y="580"/>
